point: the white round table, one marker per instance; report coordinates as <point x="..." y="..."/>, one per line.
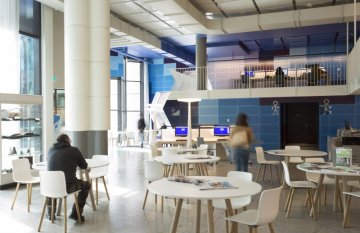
<point x="328" y="169"/>
<point x="92" y="163"/>
<point x="183" y="191"/>
<point x="189" y="159"/>
<point x="297" y="153"/>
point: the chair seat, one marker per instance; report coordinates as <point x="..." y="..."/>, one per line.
<point x="354" y="183"/>
<point x="355" y="194"/>
<point x="236" y="203"/>
<point x="295" y="160"/>
<point x="247" y="217"/>
<point x="33" y="180"/>
<point x="302" y="184"/>
<point x="95" y="174"/>
<point x="327" y="180"/>
<point x="270" y="162"/>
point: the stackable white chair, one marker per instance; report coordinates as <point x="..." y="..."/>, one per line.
<point x="99" y="173"/>
<point x="260" y="157"/>
<point x="349" y="195"/>
<point x="154" y="151"/>
<point x="265" y="214"/>
<point x="203" y="149"/>
<point x="169" y="154"/>
<point x="236" y="203"/>
<point x="303" y="184"/>
<point x="153" y="171"/>
<point x="313" y="177"/>
<point x="22" y="175"/>
<point x="52" y="185"/>
<point x="295" y="160"/>
<point x="130" y="136"/>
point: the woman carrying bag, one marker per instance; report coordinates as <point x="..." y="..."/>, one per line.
<point x="241" y="137"/>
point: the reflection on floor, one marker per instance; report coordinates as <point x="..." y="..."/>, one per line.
<point x="124" y="213"/>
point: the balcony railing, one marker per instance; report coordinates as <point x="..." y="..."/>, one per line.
<point x="285" y="72"/>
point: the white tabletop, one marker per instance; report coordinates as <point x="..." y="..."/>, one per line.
<point x="297" y="153"/>
<point x="188" y="159"/>
<point x="328" y="169"/>
<point x="92" y="163"/>
<point x="190" y="191"/>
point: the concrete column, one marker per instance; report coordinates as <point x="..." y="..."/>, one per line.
<point x="47" y="81"/>
<point x="99" y="95"/>
<point x="201" y="62"/>
<point x="76" y="30"/>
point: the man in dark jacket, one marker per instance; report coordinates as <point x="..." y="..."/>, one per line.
<point x="141" y="128"/>
<point x="64" y="157"/>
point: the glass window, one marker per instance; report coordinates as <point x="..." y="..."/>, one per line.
<point x="133" y="88"/>
<point x="133" y="71"/>
<point x="30" y="83"/>
<point x="133" y="102"/>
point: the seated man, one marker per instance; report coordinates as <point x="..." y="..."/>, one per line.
<point x="64" y="157"/>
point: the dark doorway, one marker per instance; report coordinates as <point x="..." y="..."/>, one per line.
<point x="300" y="125"/>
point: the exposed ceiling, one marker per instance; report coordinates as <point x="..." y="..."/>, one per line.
<point x="236" y="27"/>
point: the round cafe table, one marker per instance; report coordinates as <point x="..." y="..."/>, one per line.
<point x="297" y="153"/>
<point x="182" y="191"/>
<point x="187" y="160"/>
<point x="328" y="169"/>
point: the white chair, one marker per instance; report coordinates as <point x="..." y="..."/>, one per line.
<point x="52" y="185"/>
<point x="265" y="214"/>
<point x="260" y="157"/>
<point x="296" y="185"/>
<point x="22" y="175"/>
<point x="295" y="160"/>
<point x="169" y="154"/>
<point x="313" y="177"/>
<point x="236" y="203"/>
<point x="99" y="172"/>
<point x="153" y="171"/>
<point x="130" y="136"/>
<point x="349" y="195"/>
<point x="203" y="149"/>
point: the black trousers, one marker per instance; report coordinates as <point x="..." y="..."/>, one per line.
<point x="84" y="188"/>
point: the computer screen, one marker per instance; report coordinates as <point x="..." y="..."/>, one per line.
<point x="249" y="73"/>
<point x="181" y="131"/>
<point x="221" y="130"/>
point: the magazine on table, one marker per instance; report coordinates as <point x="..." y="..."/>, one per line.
<point x="185" y="179"/>
<point x="343" y="157"/>
<point x="213" y="185"/>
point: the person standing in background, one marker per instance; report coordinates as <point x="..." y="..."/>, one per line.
<point x="240" y="139"/>
<point x="141" y="128"/>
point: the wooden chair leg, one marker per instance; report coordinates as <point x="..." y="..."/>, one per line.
<point x="290" y="203"/>
<point x="226" y="222"/>
<point x="146" y="194"/>
<point x="258" y="172"/>
<point x="15" y="196"/>
<point x="30" y="193"/>
<point x="28" y="197"/>
<point x="288" y="200"/>
<point x="155" y="199"/>
<point x="250" y="229"/>
<point x="271" y="174"/>
<point x="306" y="200"/>
<point x="254" y="229"/>
<point x="271" y="228"/>
<point x="264" y="173"/>
<point x="106" y="190"/>
<point x="162" y="204"/>
<point x="96" y="191"/>
<point x="325" y="194"/>
<point x="65" y="215"/>
<point x="346" y="215"/>
<point x="77" y="208"/>
<point x="53" y="210"/>
<point x="42" y="215"/>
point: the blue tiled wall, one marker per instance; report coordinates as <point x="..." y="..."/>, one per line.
<point x="117" y="66"/>
<point x="160" y="78"/>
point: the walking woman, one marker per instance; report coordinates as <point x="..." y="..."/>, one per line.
<point x="241" y="137"/>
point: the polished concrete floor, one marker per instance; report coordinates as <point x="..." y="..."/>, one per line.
<point x="124" y="213"/>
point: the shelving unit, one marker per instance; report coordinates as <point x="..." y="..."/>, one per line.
<point x="20" y="130"/>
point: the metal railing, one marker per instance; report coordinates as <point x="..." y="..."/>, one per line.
<point x="282" y="72"/>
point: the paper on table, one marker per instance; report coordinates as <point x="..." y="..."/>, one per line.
<point x="210" y="185"/>
<point x="185" y="179"/>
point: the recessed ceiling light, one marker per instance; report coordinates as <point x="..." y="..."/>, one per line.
<point x="209" y="13"/>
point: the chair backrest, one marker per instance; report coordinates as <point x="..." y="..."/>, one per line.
<point x="130" y="134"/>
<point x="100" y="171"/>
<point x="260" y="157"/>
<point x="286" y="173"/>
<point x="52" y="184"/>
<point x="313" y="176"/>
<point x="169" y="154"/>
<point x="292" y="147"/>
<point x="153" y="151"/>
<point x="239" y="176"/>
<point x="203" y="149"/>
<point x="21" y="170"/>
<point x="268" y="206"/>
<point x="153" y="170"/>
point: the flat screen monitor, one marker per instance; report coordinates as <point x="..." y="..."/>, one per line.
<point x="249" y="73"/>
<point x="181" y="131"/>
<point x="221" y="131"/>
